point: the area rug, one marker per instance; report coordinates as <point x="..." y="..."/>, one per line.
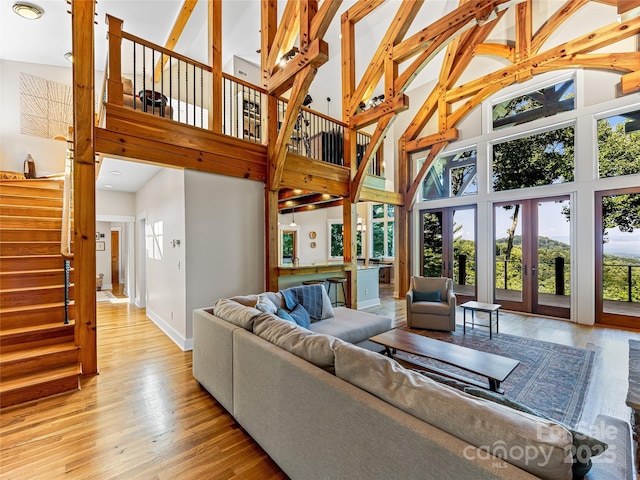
<point x="552" y="379"/>
<point x="105" y="296"/>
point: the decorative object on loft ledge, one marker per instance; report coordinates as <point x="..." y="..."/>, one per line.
<point x="29" y="167"/>
<point x="284" y="59"/>
<point x="28" y="10"/>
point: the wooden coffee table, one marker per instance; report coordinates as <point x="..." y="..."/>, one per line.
<point x="495" y="367"/>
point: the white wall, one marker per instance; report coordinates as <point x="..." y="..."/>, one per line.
<point x="224" y="244"/>
<point x="162" y="198"/>
<point x="103" y="257"/>
<point x="49" y="154"/>
<point x="115" y="204"/>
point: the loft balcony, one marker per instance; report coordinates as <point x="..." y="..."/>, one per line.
<point x="162" y="107"/>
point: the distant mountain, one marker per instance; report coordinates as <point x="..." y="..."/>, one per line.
<point x="544" y="242"/>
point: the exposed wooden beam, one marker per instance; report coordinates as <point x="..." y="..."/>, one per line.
<point x="630" y="83"/>
<point x="361" y="9"/>
<point x="554" y="22"/>
<point x="425" y="112"/>
<point x="268" y="28"/>
<point x="524" y="29"/>
<point x="620" y="62"/>
<point x="496" y="50"/>
<point x="308" y="10"/>
<point x="628" y="9"/>
<point x="348" y="55"/>
<point x="316" y="55"/>
<point x="401" y="22"/>
<point x="285" y="35"/>
<point x="315" y="199"/>
<point x="384" y="123"/>
<point x="320" y="176"/>
<point x="592" y="41"/>
<point x="471" y="12"/>
<point x="84" y="205"/>
<point x="370" y="194"/>
<point x="423" y="143"/>
<point x="298" y="91"/>
<point x="322" y="20"/>
<point x="176" y="31"/>
<point x="394" y="105"/>
<point x="409" y="197"/>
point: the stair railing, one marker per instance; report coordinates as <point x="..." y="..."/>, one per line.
<point x="67" y="224"/>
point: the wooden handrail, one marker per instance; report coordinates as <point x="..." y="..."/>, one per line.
<point x="67" y="203"/>
<point x="165" y="51"/>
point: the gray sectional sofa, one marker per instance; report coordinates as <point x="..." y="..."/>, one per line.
<point x="323" y="407"/>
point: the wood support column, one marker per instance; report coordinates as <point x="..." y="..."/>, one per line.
<point x="349" y="250"/>
<point x="82" y="15"/>
<point x="402" y="226"/>
<point x="271" y="239"/>
<point x="215" y="61"/>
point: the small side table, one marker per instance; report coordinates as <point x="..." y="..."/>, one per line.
<point x="481" y="307"/>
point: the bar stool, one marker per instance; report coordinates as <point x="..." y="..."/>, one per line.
<point x="313" y="282"/>
<point x="337" y="281"/>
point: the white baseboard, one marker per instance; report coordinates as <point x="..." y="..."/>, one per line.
<point x="373" y="302"/>
<point x="185" y="344"/>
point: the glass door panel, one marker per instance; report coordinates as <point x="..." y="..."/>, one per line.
<point x="464" y="251"/>
<point x="449" y="248"/>
<point x="508" y="255"/>
<point x="432" y="247"/>
<point x="553" y="258"/>
<point x="618" y="258"/>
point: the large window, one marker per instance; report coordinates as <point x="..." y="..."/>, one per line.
<point x="541" y="159"/>
<point x="382" y="235"/>
<point x="336" y="246"/>
<point x="539" y="103"/>
<point x="619" y="145"/>
<point x="453" y="175"/>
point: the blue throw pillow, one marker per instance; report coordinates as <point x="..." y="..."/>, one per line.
<point x="284" y="315"/>
<point x="301" y="316"/>
<point x="426" y="296"/>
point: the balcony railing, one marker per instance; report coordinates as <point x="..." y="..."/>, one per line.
<point x="621" y="282"/>
<point x="152" y="79"/>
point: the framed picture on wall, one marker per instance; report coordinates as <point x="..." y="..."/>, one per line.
<point x="100" y="246"/>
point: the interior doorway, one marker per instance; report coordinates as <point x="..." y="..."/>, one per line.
<point x="115" y="257"/>
<point x="532" y="256"/>
<point x="448" y="245"/>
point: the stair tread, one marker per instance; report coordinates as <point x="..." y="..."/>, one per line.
<point x="43" y="327"/>
<point x="37" y="378"/>
<point x="31" y="272"/>
<point x="38" y="306"/>
<point x="26" y="289"/>
<point x="31" y="352"/>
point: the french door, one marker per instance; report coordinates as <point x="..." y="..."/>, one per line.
<point x="448" y="245"/>
<point x="617" y="249"/>
<point x="532" y="256"/>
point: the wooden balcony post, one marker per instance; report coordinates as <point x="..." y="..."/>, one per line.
<point x="215" y="61"/>
<point x="349" y="250"/>
<point x="114" y="80"/>
<point x="84" y="206"/>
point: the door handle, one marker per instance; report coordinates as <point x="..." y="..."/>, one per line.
<point x="533" y="270"/>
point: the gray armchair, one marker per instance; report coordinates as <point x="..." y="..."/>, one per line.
<point x="431" y="304"/>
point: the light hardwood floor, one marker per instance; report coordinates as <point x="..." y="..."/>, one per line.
<point x="146" y="417"/>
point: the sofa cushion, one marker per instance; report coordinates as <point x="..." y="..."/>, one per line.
<point x="246" y="300"/>
<point x="536" y="445"/>
<point x="127" y="86"/>
<point x="435" y="308"/>
<point x="312" y="347"/>
<point x="265" y="305"/>
<point x="430" y="296"/>
<point x="235" y="313"/>
<point x="351" y="325"/>
<point x="584" y="446"/>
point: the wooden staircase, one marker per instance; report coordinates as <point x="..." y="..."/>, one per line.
<point x="38" y="353"/>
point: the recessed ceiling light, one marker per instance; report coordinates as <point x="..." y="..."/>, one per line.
<point x="27" y="10"/>
<point x="69" y="56"/>
<point x="114" y="172"/>
<point x="108" y="186"/>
